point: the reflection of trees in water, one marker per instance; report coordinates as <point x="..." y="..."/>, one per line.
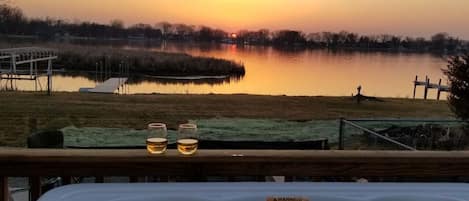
<point x="116" y="43"/>
<point x="209" y="81"/>
<point x="138" y="79"/>
<point x="204" y="47"/>
<point x="290" y="49"/>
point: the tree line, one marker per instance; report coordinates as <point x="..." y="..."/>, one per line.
<point x="14" y="22"/>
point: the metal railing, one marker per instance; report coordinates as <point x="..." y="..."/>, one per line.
<point x="354" y="123"/>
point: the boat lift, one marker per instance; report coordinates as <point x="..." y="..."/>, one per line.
<point x="14" y="65"/>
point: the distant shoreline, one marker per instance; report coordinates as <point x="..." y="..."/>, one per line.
<point x="279" y="47"/>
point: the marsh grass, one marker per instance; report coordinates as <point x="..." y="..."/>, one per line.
<point x="142" y="62"/>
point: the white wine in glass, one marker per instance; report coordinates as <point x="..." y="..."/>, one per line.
<point x="187" y="142"/>
<point x="157" y="140"/>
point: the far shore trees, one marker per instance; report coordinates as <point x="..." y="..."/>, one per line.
<point x="14" y="22"/>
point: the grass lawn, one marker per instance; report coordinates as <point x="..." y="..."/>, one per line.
<point x="22" y="112"/>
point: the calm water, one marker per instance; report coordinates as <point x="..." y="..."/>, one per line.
<point x="278" y="72"/>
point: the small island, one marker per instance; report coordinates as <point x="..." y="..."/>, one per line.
<point x="75" y="58"/>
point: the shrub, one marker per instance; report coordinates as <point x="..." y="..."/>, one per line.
<point x="458" y="77"/>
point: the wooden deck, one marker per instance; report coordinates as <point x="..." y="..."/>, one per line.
<point x="110" y="85"/>
<point x="137" y="162"/>
<point x="36" y="163"/>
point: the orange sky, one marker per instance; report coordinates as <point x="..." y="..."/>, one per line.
<point x="403" y="17"/>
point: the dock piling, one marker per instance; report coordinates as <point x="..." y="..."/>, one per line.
<point x="428" y="85"/>
<point x="439" y="90"/>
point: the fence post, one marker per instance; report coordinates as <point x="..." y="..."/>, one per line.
<point x="341" y="133"/>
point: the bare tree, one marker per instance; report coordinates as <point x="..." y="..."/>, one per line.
<point x="166" y="27"/>
<point x="117" y="24"/>
<point x="183" y="30"/>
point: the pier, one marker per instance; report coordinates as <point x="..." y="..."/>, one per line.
<point x="109" y="86"/>
<point x="428" y="85"/>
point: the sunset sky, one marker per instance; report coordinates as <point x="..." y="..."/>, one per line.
<point x="402" y="17"/>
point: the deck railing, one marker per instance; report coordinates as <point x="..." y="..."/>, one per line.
<point x="37" y="163"/>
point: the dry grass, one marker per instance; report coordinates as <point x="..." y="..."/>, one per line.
<point x="20" y="112"/>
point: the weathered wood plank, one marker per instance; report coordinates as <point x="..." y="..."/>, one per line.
<point x="35" y="187"/>
<point x="44" y="162"/>
<point x="4" y="192"/>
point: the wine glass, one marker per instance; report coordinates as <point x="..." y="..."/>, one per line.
<point x="157" y="140"/>
<point x="187" y="139"/>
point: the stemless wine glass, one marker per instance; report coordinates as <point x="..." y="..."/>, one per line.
<point x="187" y="139"/>
<point x="157" y="138"/>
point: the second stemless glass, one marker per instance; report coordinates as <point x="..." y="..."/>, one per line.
<point x="187" y="139"/>
<point x="157" y="140"/>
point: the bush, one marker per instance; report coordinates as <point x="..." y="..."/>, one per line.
<point x="458" y="77"/>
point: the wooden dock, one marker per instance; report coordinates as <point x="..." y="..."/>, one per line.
<point x="428" y="85"/>
<point x="109" y="86"/>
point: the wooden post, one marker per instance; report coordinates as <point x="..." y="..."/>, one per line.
<point x="49" y="77"/>
<point x="35" y="76"/>
<point x="106" y="61"/>
<point x="341" y="134"/>
<point x="439" y="90"/>
<point x="31" y="65"/>
<point x="13" y="62"/>
<point x="415" y="84"/>
<point x="120" y="79"/>
<point x="427" y="82"/>
<point x="359" y="95"/>
<point x="101" y="70"/>
<point x="104" y="69"/>
<point x="96" y="73"/>
<point x="4" y="192"/>
<point x="35" y="188"/>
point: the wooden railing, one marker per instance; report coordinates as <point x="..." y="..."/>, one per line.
<point x="37" y="163"/>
